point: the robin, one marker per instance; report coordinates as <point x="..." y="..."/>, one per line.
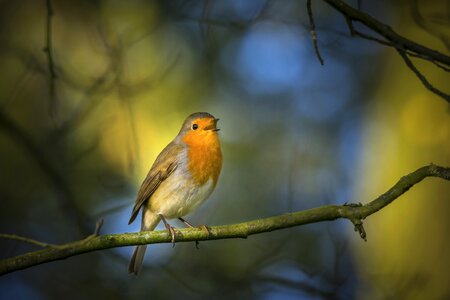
<point x="182" y="177"/>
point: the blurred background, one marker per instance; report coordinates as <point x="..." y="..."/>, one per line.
<point x="78" y="135"/>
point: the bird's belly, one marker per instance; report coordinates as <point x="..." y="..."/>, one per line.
<point x="176" y="196"/>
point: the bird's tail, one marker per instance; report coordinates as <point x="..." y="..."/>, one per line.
<point x="149" y="222"/>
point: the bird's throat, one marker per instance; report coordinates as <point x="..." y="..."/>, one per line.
<point x="205" y="158"/>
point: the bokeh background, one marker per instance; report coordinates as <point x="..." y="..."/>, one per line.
<point x="295" y="135"/>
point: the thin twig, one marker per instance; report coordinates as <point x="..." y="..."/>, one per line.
<point x="372" y="38"/>
<point x="312" y="31"/>
<point x="51" y="64"/>
<point x="403" y="45"/>
<point x="24" y="239"/>
<point x="350" y="25"/>
<point x="98" y="227"/>
<point x="421" y="77"/>
<point x="96" y="233"/>
<point x="355" y="32"/>
<point x="446" y="69"/>
<point x="404" y="53"/>
<point x="387" y="32"/>
<point x="354" y="213"/>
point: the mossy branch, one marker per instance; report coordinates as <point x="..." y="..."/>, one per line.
<point x="353" y="212"/>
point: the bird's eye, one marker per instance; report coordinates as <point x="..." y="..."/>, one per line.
<point x="194" y="126"/>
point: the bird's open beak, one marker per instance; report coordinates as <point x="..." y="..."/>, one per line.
<point x="213" y="125"/>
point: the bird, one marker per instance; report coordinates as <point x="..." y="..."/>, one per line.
<point x="182" y="177"/>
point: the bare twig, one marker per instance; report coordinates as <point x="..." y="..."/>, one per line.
<point x="354" y="213"/>
<point x="404" y="53"/>
<point x="446" y="69"/>
<point x="355" y="32"/>
<point x="387" y="32"/>
<point x="421" y="77"/>
<point x="48" y="49"/>
<point x="350" y="25"/>
<point x="388" y="36"/>
<point x="98" y="227"/>
<point x="312" y="31"/>
<point x="404" y="46"/>
<point x="24" y="239"/>
<point x="366" y="36"/>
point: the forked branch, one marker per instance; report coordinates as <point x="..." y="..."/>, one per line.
<point x="404" y="46"/>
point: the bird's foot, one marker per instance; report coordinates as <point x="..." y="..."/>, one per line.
<point x="197" y="243"/>
<point x="170" y="229"/>
<point x="208" y="230"/>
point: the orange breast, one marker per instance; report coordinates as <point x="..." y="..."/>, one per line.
<point x="205" y="157"/>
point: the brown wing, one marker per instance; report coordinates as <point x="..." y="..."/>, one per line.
<point x="163" y="166"/>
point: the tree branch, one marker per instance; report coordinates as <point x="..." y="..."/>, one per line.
<point x="312" y="31"/>
<point x="24" y="239"/>
<point x="353" y="212"/>
<point x="405" y="56"/>
<point x="393" y="39"/>
<point x="388" y="37"/>
<point x="421" y="77"/>
<point x="387" y="32"/>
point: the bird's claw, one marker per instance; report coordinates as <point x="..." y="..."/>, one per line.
<point x="208" y="230"/>
<point x="171" y="231"/>
<point x="200" y="226"/>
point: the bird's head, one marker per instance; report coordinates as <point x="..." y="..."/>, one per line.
<point x="199" y="128"/>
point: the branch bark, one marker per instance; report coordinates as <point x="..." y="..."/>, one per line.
<point x="353" y="212"/>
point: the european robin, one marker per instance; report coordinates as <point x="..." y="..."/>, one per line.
<point x="182" y="177"/>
